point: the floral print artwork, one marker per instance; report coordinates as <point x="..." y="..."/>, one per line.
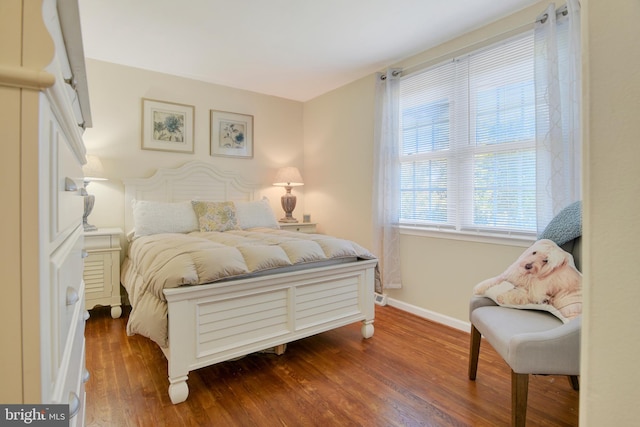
<point x="232" y="135"/>
<point x="168" y="126"/>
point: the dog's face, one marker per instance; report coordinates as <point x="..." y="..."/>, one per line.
<point x="542" y="258"/>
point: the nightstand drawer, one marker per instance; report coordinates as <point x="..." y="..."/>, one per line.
<point x="97" y="242"/>
<point x="300" y="227"/>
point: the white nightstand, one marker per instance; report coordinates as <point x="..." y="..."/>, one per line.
<point x="102" y="269"/>
<point x="301" y="227"/>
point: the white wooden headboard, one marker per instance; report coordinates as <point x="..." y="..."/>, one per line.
<point x="195" y="180"/>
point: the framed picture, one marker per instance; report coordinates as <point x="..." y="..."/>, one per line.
<point x="167" y="126"/>
<point x="231" y="134"/>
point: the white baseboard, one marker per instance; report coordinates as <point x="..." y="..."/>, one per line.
<point x="430" y="315"/>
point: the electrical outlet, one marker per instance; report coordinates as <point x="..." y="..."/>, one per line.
<point x="380" y="299"/>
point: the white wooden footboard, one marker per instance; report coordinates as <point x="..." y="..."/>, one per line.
<point x="213" y="323"/>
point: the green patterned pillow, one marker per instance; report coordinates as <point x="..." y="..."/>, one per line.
<point x="215" y="216"/>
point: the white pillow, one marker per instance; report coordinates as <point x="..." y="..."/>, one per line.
<point x="257" y="213"/>
<point x="162" y="217"/>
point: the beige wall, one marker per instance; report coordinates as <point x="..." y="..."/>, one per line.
<point x="338" y="132"/>
<point x="610" y="340"/>
<point x="116" y="94"/>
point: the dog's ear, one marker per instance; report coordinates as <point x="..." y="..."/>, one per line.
<point x="556" y="258"/>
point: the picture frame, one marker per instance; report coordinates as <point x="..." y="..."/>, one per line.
<point x="167" y="126"/>
<point x="231" y="134"/>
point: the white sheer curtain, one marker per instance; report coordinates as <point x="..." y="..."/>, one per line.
<point x="558" y="99"/>
<point x="386" y="180"/>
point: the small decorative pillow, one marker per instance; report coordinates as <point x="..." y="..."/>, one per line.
<point x="215" y="216"/>
<point x="256" y="213"/>
<point x="565" y="226"/>
<point x="544" y="277"/>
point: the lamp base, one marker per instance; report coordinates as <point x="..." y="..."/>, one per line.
<point x="89" y="201"/>
<point x="288" y="202"/>
<point x="285" y="219"/>
<point x="89" y="227"/>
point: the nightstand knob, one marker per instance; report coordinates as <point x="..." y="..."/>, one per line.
<point x="86" y="315"/>
<point x="85" y="376"/>
<point x="84" y="254"/>
<point x="72" y="296"/>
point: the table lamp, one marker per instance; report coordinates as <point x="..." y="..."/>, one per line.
<point x="288" y="177"/>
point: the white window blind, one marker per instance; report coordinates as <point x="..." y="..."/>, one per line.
<point x="468" y="142"/>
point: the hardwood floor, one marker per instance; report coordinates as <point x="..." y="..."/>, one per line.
<point x="411" y="373"/>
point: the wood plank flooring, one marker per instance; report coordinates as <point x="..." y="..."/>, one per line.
<point x="413" y="372"/>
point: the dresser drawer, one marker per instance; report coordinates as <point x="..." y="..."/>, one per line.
<point x="70" y="385"/>
<point x="66" y="182"/>
<point x="67" y="293"/>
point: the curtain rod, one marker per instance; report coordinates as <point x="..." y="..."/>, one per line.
<point x="562" y="10"/>
<point x="394" y="72"/>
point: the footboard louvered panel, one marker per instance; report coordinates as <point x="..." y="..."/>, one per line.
<point x="242" y="320"/>
<point x="320" y="302"/>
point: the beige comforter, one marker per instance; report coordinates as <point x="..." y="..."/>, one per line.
<point x="165" y="261"/>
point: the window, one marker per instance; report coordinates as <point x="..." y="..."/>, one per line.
<point x="467" y="140"/>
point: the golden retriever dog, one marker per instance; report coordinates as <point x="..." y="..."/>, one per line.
<point x="543" y="274"/>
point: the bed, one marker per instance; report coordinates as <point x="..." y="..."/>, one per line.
<point x="226" y="317"/>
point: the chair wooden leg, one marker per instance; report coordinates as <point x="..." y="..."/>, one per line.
<point x="519" y="391"/>
<point x="575" y="382"/>
<point x="474" y="352"/>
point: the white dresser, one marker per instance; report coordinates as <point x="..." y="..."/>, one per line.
<point x="43" y="118"/>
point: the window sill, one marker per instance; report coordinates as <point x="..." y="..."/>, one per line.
<point x="507" y="240"/>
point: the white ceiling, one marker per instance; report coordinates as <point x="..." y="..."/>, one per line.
<point x="295" y="49"/>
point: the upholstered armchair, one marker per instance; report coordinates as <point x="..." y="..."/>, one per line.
<point x="530" y="341"/>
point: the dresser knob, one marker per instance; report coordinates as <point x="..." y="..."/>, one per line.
<point x="70" y="185"/>
<point x="71" y="81"/>
<point x="85" y="376"/>
<point x="84" y="254"/>
<point x="74" y="404"/>
<point x="86" y="315"/>
<point x="72" y="296"/>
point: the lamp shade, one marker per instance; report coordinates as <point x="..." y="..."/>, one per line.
<point x="288" y="177"/>
<point x="93" y="169"/>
